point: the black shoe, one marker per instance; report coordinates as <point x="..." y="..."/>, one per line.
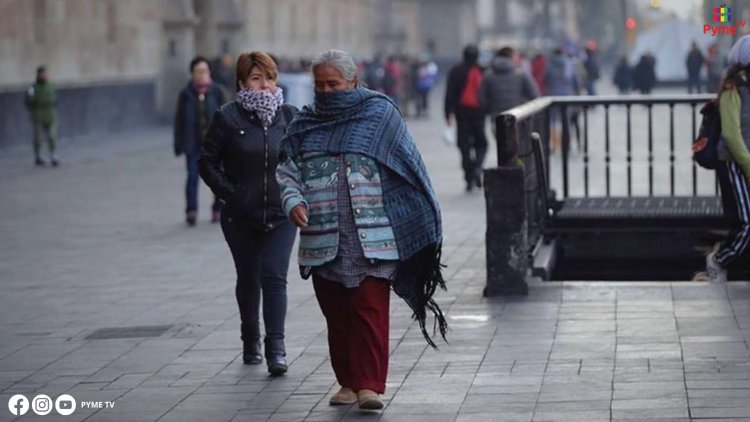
<point x="276" y="357"/>
<point x="469" y="186"/>
<point x="251" y="353"/>
<point x="55" y="163"/>
<point x="478" y="181"/>
<point x="39" y="162"/>
<point x="191" y="217"/>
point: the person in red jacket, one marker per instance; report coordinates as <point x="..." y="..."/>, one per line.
<point x="538" y="69"/>
<point x="462" y="102"/>
<point x="393" y="80"/>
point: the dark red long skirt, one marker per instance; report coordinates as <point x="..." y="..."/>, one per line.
<point x="357" y="322"/>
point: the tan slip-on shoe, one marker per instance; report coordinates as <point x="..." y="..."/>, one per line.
<point x="343" y="397"/>
<point x="369" y="400"/>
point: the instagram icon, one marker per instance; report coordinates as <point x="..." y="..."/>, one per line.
<point x="42" y="405"/>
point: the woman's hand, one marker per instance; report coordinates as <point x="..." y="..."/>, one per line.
<point x="299" y="216"/>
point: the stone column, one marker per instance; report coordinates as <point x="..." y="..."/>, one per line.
<point x="206" y="33"/>
<point x="178" y="48"/>
<point x="571" y="21"/>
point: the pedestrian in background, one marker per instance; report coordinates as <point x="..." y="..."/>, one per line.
<point x="224" y="74"/>
<point x="584" y="82"/>
<point x="374" y="74"/>
<point x="714" y="69"/>
<point x="41" y="101"/>
<point x="238" y="162"/>
<point x="538" y="70"/>
<point x="591" y="64"/>
<point x="426" y="79"/>
<point x="522" y="61"/>
<point x="369" y="222"/>
<point x="734" y="171"/>
<point x="393" y="79"/>
<point x="644" y="74"/>
<point x="561" y="79"/>
<point x="694" y="63"/>
<point x="408" y="90"/>
<point x="506" y="84"/>
<point x="623" y="77"/>
<point x="462" y="102"/>
<point x="196" y="105"/>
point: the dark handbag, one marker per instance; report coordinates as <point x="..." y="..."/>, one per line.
<point x="706" y="147"/>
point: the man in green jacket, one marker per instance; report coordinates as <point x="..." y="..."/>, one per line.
<point x="40" y="100"/>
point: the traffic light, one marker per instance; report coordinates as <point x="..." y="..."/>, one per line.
<point x="630" y="33"/>
<point x="631" y="24"/>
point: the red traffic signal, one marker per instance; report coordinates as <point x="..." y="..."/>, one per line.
<point x="631" y="24"/>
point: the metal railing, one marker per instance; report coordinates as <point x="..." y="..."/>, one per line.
<point x="637" y="163"/>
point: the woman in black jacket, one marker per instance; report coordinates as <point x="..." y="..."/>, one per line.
<point x="196" y="105"/>
<point x="239" y="162"/>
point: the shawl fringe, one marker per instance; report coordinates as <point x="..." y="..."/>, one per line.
<point x="418" y="288"/>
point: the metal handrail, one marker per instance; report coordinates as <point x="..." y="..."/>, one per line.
<point x="633" y="99"/>
<point x="533" y="107"/>
<point x="515" y="140"/>
<point x="507" y="151"/>
<point x="529" y="109"/>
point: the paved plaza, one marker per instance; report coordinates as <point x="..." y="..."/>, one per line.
<point x="108" y="296"/>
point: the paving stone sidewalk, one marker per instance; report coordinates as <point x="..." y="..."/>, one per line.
<point x="99" y="243"/>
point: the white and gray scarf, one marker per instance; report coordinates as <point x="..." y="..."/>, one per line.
<point x="263" y="102"/>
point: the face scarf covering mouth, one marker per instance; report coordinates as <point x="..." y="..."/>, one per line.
<point x="263" y="102"/>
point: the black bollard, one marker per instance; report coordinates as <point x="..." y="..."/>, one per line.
<point x="507" y="236"/>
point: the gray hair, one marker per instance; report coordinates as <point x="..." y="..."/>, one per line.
<point x="339" y="60"/>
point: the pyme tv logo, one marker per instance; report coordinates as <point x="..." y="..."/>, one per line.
<point x="723" y="23"/>
<point x="722" y="14"/>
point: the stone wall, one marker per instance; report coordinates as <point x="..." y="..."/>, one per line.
<point x="80" y="41"/>
<point x="83" y="110"/>
<point x="103" y="55"/>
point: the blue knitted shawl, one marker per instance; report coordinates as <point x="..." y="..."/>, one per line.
<point x="366" y="122"/>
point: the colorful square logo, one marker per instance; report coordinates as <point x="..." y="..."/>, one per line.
<point x="722" y="14"/>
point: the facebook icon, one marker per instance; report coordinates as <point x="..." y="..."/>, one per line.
<point x="18" y="405"/>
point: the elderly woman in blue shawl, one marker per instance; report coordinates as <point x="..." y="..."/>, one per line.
<point x="352" y="179"/>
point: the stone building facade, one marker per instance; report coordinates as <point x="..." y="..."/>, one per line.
<point x="539" y="24"/>
<point x="120" y="64"/>
<point x="301" y="28"/>
<point x="414" y="27"/>
<point x="103" y="55"/>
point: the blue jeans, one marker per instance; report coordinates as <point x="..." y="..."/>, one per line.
<point x="262" y="263"/>
<point x="191" y="187"/>
<point x="591" y="87"/>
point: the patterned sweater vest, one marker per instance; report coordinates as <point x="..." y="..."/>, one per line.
<point x="312" y="181"/>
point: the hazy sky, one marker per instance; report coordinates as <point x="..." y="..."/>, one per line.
<point x="683" y="8"/>
<point x="686" y="9"/>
